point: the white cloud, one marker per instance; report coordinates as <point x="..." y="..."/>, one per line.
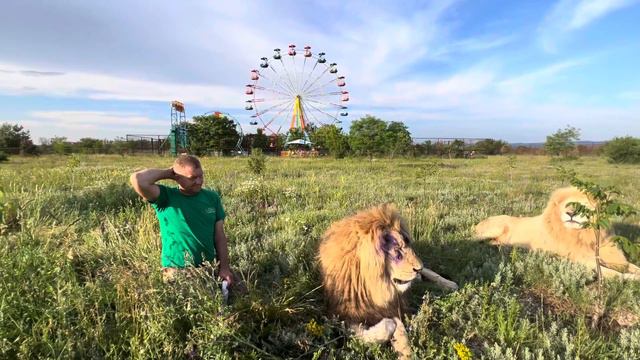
<point x="570" y="15"/>
<point x="516" y="120"/>
<point x="15" y="80"/>
<point x="371" y="45"/>
<point x="587" y="11"/>
<point x="95" y="124"/>
<point x="481" y="102"/>
<point x="377" y="45"/>
<point x="441" y="93"/>
<point x="520" y="84"/>
<point x="470" y="45"/>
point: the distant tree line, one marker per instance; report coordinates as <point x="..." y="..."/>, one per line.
<point x="368" y="136"/>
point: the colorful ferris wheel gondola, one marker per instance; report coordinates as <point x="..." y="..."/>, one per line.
<point x="287" y="94"/>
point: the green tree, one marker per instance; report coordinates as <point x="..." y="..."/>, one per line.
<point x="295" y="134"/>
<point x="60" y="145"/>
<point x="367" y="136"/>
<point x="455" y="149"/>
<point x="490" y="146"/>
<point x="120" y="146"/>
<point x="332" y="139"/>
<point x="260" y="140"/>
<point x="440" y="148"/>
<point x="623" y="150"/>
<point x="212" y="133"/>
<point x="90" y="146"/>
<point x="397" y="138"/>
<point x="15" y="137"/>
<point x="562" y="142"/>
<point x="428" y="148"/>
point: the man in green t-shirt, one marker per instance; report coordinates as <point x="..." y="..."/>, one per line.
<point x="191" y="218"/>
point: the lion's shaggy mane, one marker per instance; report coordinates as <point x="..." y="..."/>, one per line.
<point x="357" y="286"/>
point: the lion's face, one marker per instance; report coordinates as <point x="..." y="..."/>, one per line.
<point x="402" y="263"/>
<point x="566" y="212"/>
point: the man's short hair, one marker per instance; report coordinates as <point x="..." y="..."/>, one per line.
<point x="187" y="160"/>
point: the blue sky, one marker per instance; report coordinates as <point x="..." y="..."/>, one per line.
<point x="514" y="70"/>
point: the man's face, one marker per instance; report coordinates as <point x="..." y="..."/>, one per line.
<point x="189" y="179"/>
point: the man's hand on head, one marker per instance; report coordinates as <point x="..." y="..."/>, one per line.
<point x="174" y="175"/>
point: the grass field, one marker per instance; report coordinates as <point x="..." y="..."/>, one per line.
<point x="80" y="260"/>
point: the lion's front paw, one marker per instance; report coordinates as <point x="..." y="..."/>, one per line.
<point x="383" y="331"/>
<point x="379" y="333"/>
<point x="400" y="341"/>
<point x="389" y="328"/>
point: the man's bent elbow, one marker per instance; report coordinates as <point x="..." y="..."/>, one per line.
<point x="134" y="179"/>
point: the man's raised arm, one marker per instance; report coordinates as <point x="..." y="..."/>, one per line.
<point x="144" y="181"/>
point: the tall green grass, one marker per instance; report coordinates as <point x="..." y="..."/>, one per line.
<point x="80" y="260"/>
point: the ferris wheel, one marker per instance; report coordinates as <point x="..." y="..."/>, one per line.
<point x="290" y="91"/>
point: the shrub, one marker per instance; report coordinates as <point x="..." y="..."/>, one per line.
<point x="623" y="150"/>
<point x="257" y="162"/>
<point x="3" y="156"/>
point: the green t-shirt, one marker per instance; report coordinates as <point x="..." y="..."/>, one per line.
<point x="187" y="225"/>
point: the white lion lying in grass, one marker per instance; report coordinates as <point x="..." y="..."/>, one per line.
<point x="558" y="230"/>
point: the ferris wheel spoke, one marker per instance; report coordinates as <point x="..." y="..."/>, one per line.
<point x="295" y="75"/>
<point x="265" y="100"/>
<point x="304" y="63"/>
<point x="288" y="78"/>
<point x="258" y="87"/>
<point x="280" y="76"/>
<point x="324" y="112"/>
<point x="262" y="112"/>
<point x="319" y="87"/>
<point x="327" y="104"/>
<point x="283" y="88"/>
<point x="275" y="116"/>
<point x="311" y="84"/>
<point x="315" y="95"/>
<point x="310" y="114"/>
<point x="310" y="74"/>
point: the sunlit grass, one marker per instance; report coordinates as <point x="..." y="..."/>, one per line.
<point x="80" y="259"/>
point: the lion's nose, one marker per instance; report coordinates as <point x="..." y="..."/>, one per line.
<point x="417" y="270"/>
<point x="570" y="213"/>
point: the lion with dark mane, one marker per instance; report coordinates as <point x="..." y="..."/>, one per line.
<point x="367" y="263"/>
<point x="560" y="230"/>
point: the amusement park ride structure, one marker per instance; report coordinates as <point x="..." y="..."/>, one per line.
<point x="177" y="141"/>
<point x="286" y="95"/>
<point x="178" y="137"/>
